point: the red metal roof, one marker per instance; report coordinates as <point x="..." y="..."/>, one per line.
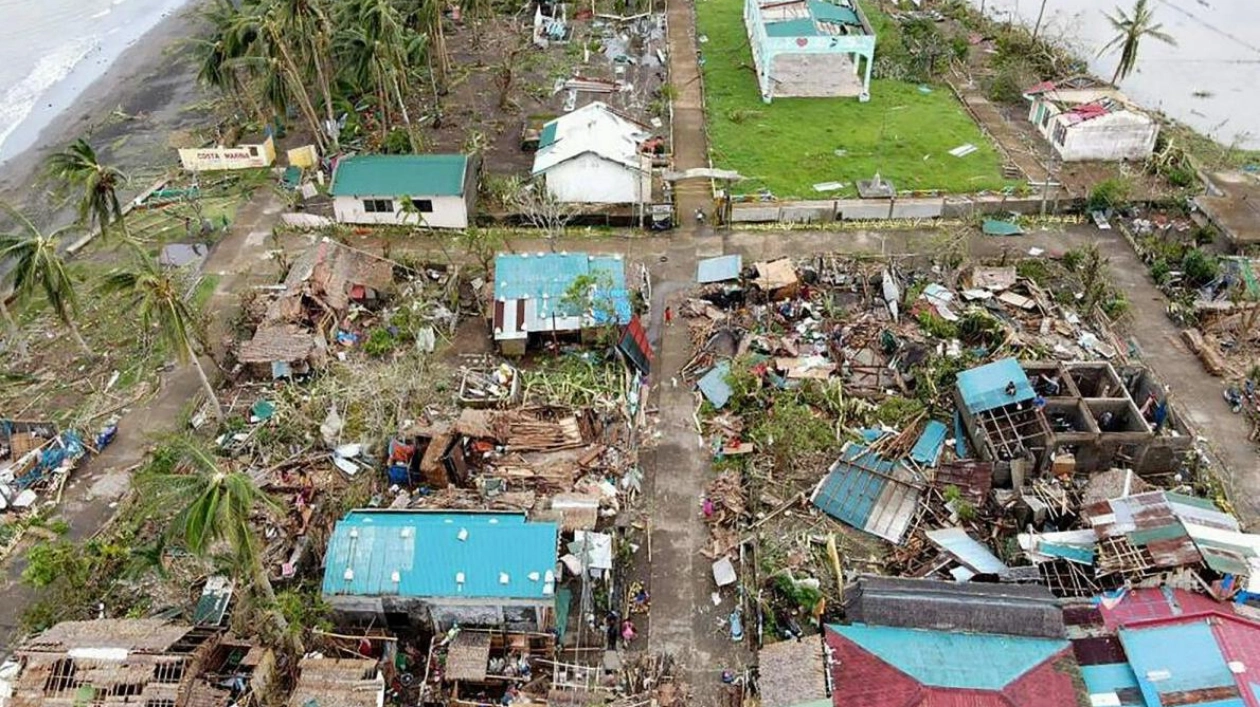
<point x="1237" y="637"/>
<point x="860" y="678"/>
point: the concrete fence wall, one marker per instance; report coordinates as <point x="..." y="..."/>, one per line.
<point x="918" y="208"/>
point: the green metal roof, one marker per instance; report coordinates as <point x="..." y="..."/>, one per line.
<point x="792" y="28"/>
<point x="400" y="175"/>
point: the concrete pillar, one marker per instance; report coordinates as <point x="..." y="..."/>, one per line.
<point x="866" y="82"/>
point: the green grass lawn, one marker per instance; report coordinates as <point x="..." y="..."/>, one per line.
<point x="790" y="145"/>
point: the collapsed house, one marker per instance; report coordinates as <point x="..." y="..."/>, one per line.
<point x="338" y="682"/>
<point x="1085" y="119"/>
<point x="810" y="48"/>
<point x="434" y="191"/>
<point x="595" y="155"/>
<point x="302" y="319"/>
<point x="32" y="454"/>
<point x="146" y="662"/>
<point x="438" y="569"/>
<point x="1075" y="416"/>
<point x="556" y="293"/>
<point x="477" y="665"/>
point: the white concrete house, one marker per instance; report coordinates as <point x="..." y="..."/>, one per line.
<point x="593" y="156"/>
<point x="1087" y="120"/>
<point x="374" y="189"/>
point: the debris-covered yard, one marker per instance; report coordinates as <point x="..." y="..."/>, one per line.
<point x="932" y="419"/>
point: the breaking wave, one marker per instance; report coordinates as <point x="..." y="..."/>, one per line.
<point x="21" y="98"/>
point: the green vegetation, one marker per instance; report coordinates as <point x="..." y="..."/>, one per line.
<point x="791" y="144"/>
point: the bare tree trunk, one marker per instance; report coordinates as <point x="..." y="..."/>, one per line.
<point x="205" y="383"/>
<point x="74" y="333"/>
<point x="15" y="332"/>
<point x="1040" y="14"/>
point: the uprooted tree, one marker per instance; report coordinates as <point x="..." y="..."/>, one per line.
<point x="542" y="210"/>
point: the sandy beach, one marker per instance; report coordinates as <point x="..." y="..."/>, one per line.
<point x="130" y="113"/>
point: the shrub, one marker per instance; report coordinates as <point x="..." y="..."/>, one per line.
<point x="1160" y="271"/>
<point x="1181" y="177"/>
<point x="379" y="343"/>
<point x="1108" y="194"/>
<point x="1200" y="267"/>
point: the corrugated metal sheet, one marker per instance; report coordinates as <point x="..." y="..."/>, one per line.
<point x="984" y="388"/>
<point x="927" y="450"/>
<point x="725" y="267"/>
<point x="425" y="552"/>
<point x="1177" y="530"/>
<point x="714" y="386"/>
<point x="945" y="659"/>
<point x="1179" y="665"/>
<point x="967" y="550"/>
<point x="870" y="493"/>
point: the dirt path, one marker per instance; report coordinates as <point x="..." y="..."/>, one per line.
<point x="97" y="487"/>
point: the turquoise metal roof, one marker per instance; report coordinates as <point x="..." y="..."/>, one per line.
<point x="545" y="277"/>
<point x="426" y="551"/>
<point x="1176" y="659"/>
<point x="1113" y="677"/>
<point x="400" y="175"/>
<point x="977" y="661"/>
<point x="984" y="388"/>
<point x="835" y="14"/>
<point x="792" y="28"/>
<point x="927" y="450"/>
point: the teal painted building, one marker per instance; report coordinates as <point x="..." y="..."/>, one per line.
<point x="810" y="48"/>
<point x="439" y="568"/>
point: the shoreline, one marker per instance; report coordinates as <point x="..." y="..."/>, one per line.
<point x="128" y="83"/>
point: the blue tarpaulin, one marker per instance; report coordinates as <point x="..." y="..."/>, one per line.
<point x="724" y="267"/>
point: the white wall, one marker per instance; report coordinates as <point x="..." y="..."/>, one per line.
<point x="1119" y="136"/>
<point x="589" y="179"/>
<point x="448" y="212"/>
<point x="249" y="156"/>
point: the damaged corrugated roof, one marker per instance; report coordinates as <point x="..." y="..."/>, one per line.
<point x="870" y="493"/>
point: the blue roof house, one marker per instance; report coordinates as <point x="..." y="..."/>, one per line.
<point x="437" y="191"/>
<point x="530" y="295"/>
<point x="441" y="568"/>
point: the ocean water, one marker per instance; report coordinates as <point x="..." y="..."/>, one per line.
<point x="51" y="50"/>
<point x="1208" y="81"/>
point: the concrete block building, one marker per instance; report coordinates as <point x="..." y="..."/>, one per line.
<point x="810" y="48"/>
<point x="372" y="189"/>
<point x="1087" y="120"/>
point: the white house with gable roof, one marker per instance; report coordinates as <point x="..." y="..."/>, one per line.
<point x="593" y="156"/>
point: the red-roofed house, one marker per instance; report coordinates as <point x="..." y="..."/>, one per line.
<point x="882" y="666"/>
<point x="1087" y="120"/>
<point x="1179" y="648"/>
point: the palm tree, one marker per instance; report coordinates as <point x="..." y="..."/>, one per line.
<point x="15" y="332"/>
<point x="161" y="298"/>
<point x="214" y="505"/>
<point x="79" y="167"/>
<point x="38" y="267"/>
<point x="1130" y="29"/>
